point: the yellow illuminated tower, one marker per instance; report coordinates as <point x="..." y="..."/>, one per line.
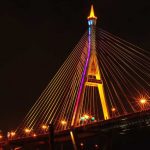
<point x="91" y="74"/>
<point x="93" y="70"/>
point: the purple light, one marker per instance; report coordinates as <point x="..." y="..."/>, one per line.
<point x="83" y="75"/>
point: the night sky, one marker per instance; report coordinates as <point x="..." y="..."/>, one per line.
<point x="37" y="36"/>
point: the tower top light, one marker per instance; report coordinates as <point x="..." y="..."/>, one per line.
<point x="92" y="15"/>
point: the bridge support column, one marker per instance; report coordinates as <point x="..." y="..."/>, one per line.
<point x="51" y="136"/>
<point x="75" y="139"/>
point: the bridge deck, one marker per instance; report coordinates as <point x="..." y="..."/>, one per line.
<point x="122" y="125"/>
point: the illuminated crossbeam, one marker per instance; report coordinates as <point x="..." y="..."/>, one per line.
<point x="93" y="82"/>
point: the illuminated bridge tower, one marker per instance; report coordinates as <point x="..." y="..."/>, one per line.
<point x="91" y="76"/>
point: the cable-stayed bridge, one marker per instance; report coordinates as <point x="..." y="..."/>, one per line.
<point x="102" y="86"/>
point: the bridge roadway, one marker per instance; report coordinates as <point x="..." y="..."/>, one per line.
<point x="121" y="125"/>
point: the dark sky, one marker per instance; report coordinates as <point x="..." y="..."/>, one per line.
<point x="36" y="37"/>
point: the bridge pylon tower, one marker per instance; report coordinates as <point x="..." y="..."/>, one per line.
<point x="92" y="74"/>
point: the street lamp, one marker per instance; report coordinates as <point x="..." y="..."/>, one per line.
<point x="27" y="131"/>
<point x="81" y="144"/>
<point x="34" y="135"/>
<point x="44" y="128"/>
<point x="113" y="109"/>
<point x="143" y="101"/>
<point x="1" y="137"/>
<point x="12" y="134"/>
<point x="63" y="122"/>
<point x="96" y="146"/>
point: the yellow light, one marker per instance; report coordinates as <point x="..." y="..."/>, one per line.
<point x="92" y="15"/>
<point x="44" y="127"/>
<point x="113" y="109"/>
<point x="143" y="101"/>
<point x="27" y="130"/>
<point x="86" y="116"/>
<point x="63" y="122"/>
<point x="12" y="133"/>
<point x="1" y="137"/>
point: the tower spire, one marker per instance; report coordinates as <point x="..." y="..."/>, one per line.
<point x="92" y="14"/>
<point x="91" y="76"/>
